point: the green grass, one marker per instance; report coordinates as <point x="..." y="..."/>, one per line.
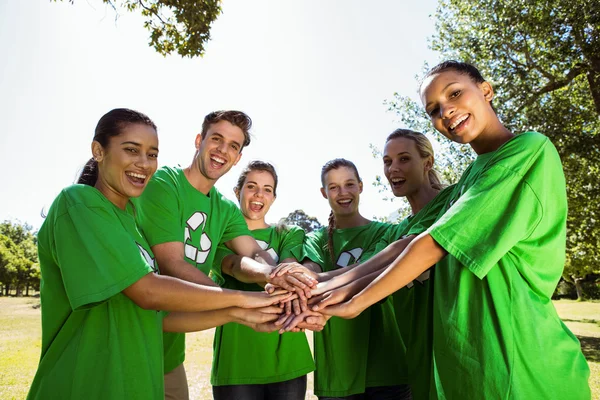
<point x="20" y="341"/>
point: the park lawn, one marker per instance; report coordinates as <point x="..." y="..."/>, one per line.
<point x="20" y="342"/>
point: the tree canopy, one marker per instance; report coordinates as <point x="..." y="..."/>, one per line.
<point x="299" y="218"/>
<point x="181" y="26"/>
<point x="19" y="267"/>
<point x="543" y="59"/>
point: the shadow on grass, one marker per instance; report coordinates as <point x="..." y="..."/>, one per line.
<point x="590" y="347"/>
<point x="583" y="320"/>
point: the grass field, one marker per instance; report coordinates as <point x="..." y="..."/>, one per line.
<point x="20" y="339"/>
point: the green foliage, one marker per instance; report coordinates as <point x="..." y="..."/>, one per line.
<point x="299" y="218"/>
<point x="543" y="59"/>
<point x="175" y="25"/>
<point x="19" y="267"/>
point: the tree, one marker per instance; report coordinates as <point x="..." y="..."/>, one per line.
<point x="174" y="25"/>
<point x="543" y="58"/>
<point x="299" y="218"/>
<point x="19" y="266"/>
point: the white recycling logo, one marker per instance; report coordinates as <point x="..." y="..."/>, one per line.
<point x="151" y="262"/>
<point x="265" y="246"/>
<point x="198" y="254"/>
<point x="350" y="255"/>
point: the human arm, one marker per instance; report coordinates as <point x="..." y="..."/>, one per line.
<point x="376" y="263"/>
<point x="248" y="270"/>
<point x="159" y="292"/>
<point x="171" y="261"/>
<point x="419" y="255"/>
<point x="199" y="321"/>
<point x="246" y="245"/>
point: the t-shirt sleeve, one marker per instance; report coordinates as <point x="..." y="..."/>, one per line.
<point x="496" y="212"/>
<point x="97" y="258"/>
<point x="292" y="244"/>
<point x="235" y="225"/>
<point x="313" y="249"/>
<point x="158" y="212"/>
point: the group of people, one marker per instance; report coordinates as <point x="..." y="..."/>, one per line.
<point x="451" y="303"/>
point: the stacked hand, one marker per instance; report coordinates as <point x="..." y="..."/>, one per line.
<point x="300" y="280"/>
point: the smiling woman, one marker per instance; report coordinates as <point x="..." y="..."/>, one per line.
<point x="101" y="333"/>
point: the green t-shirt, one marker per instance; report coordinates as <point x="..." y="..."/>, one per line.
<point x="413" y="304"/>
<point x="172" y="210"/>
<point x="496" y="331"/>
<point x="96" y="342"/>
<point x="243" y="356"/>
<point x="367" y="351"/>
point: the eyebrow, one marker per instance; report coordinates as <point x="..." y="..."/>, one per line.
<point x="138" y="145"/>
<point x="256" y="183"/>
<point x="445" y="87"/>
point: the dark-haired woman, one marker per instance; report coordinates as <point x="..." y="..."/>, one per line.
<point x="365" y="356"/>
<point x="500" y="251"/>
<point x="101" y="331"/>
<point x="247" y="364"/>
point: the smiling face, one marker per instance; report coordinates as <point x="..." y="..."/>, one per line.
<point x="257" y="194"/>
<point x="219" y="150"/>
<point x="127" y="163"/>
<point x="404" y="167"/>
<point x="342" y="189"/>
<point x="458" y="107"/>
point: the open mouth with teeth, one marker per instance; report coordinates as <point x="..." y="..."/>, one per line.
<point x="256" y="206"/>
<point x="345" y="202"/>
<point x="136" y="179"/>
<point x="459" y="123"/>
<point x="397" y="182"/>
<point x="217" y="162"/>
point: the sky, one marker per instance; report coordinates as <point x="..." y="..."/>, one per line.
<point x="312" y="75"/>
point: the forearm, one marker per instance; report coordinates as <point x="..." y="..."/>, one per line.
<point x="376" y="263"/>
<point x="183" y="270"/>
<point x="245" y="269"/>
<point x="421" y="254"/>
<point x="197" y="321"/>
<point x="159" y="292"/>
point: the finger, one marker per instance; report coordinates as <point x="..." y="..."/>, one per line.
<point x="296" y="307"/>
<point x="322" y="303"/>
<point x="279" y="291"/>
<point x="282" y="320"/>
<point x="291" y="279"/>
<point x="305" y="279"/>
<point x="303" y="305"/>
<point x="291" y="323"/>
<point x="270" y="310"/>
<point x="310" y="327"/>
<point x="288" y="307"/>
<point x="288" y="267"/>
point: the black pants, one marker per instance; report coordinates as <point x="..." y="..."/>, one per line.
<point x="399" y="392"/>
<point x="294" y="389"/>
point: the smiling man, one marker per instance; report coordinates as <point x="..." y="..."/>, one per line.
<point x="185" y="218"/>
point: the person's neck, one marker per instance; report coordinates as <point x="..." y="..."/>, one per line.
<point x="421" y="197"/>
<point x="197" y="179"/>
<point x="491" y="139"/>
<point x="254" y="224"/>
<point x="116" y="198"/>
<point x="350" y="221"/>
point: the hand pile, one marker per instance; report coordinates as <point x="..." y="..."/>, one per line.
<point x="301" y="281"/>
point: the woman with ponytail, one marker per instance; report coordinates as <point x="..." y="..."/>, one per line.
<point x="100" y="292"/>
<point x="408" y="160"/>
<point x="364" y="356"/>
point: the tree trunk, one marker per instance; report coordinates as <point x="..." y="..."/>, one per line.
<point x="26" y="290"/>
<point x="579" y="288"/>
<point x="594" y="81"/>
